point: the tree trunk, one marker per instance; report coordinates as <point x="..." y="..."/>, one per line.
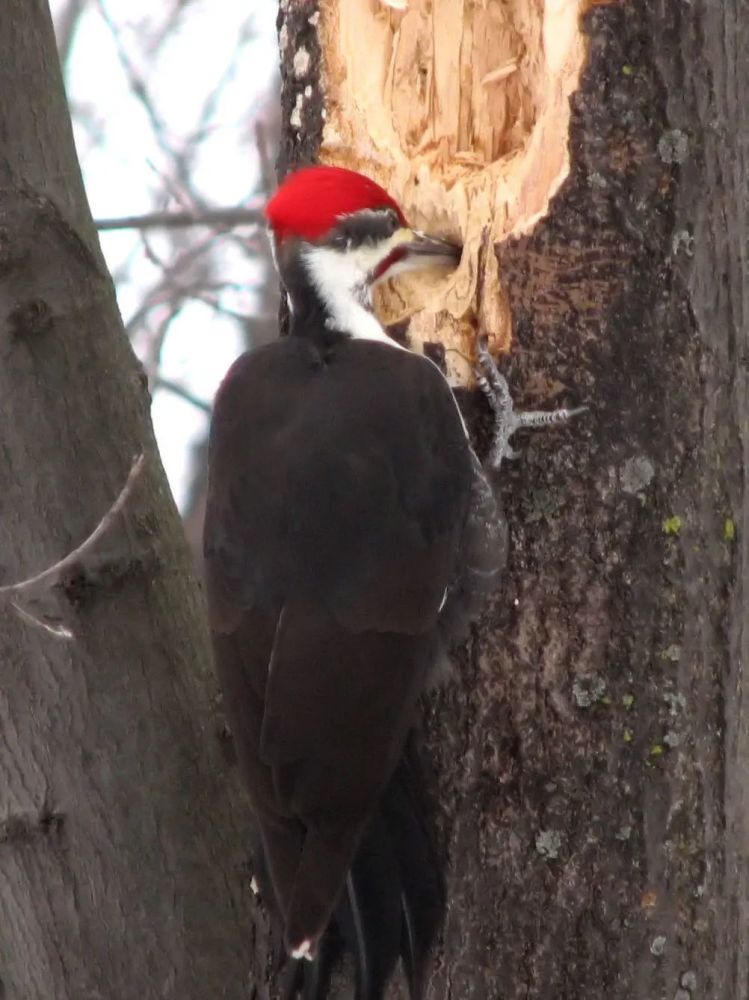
<point x="123" y="834"/>
<point x="593" y="745"/>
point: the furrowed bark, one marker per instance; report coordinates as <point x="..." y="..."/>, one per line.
<point x="123" y="834"/>
<point x="592" y="744"/>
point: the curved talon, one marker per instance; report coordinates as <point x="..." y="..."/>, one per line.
<point x="506" y="420"/>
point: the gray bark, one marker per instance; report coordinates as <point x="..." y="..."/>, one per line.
<point x="593" y="747"/>
<point x="123" y="833"/>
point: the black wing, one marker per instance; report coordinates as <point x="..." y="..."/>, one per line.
<point x="341" y="481"/>
<point x="338" y="490"/>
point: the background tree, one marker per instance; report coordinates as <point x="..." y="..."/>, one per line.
<point x="122" y="831"/>
<point x="175" y="112"/>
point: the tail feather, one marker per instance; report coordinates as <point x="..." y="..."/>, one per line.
<point x="369" y="916"/>
<point x="406" y="811"/>
<point x="311" y="980"/>
<point x="394" y="899"/>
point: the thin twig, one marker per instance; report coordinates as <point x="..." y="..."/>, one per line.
<point x="53" y="573"/>
<point x="164" y="292"/>
<point x="66" y="24"/>
<point x="183" y="393"/>
<point x="267" y="176"/>
<point x="216" y="218"/>
<point x="156" y="339"/>
<point x="137" y="83"/>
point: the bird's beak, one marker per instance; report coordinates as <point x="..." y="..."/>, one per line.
<point x="426" y="250"/>
<point x="410" y="250"/>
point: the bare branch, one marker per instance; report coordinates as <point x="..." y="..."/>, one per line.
<point x="52" y="573"/>
<point x="267" y="173"/>
<point x="183" y="393"/>
<point x="137" y="83"/>
<point x="65" y="28"/>
<point x="216" y="218"/>
<point x="151" y="359"/>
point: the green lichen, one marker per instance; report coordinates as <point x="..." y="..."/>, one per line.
<point x="689" y="981"/>
<point x="586" y="691"/>
<point x="656" y="750"/>
<point x="676" y="702"/>
<point x="628" y="70"/>
<point x="544" y="504"/>
<point x="628" y="700"/>
<point x="627" y="736"/>
<point x="729" y="529"/>
<point x="658" y="945"/>
<point x="549" y="843"/>
<point x="673" y="146"/>
<point x="672" y="525"/>
<point x="682" y="242"/>
<point x="671" y="653"/>
<point x="636" y="474"/>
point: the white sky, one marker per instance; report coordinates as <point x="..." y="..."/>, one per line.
<point x="125" y="167"/>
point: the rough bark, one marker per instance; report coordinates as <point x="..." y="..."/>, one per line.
<point x="122" y="830"/>
<point x="592" y="744"/>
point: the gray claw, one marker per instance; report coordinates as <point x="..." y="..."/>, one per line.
<point x="506" y="420"/>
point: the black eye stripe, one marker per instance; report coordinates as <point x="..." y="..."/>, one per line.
<point x="363" y="227"/>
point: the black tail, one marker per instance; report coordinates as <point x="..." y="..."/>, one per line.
<point x="394" y="899"/>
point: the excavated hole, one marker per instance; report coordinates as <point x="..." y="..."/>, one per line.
<point x="460" y="108"/>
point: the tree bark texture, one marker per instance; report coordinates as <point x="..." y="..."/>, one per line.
<point x="123" y="833"/>
<point x="592" y="748"/>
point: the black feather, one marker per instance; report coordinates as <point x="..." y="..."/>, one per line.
<point x="369" y="915"/>
<point x="311" y="980"/>
<point x="407" y="812"/>
<point x="394" y="900"/>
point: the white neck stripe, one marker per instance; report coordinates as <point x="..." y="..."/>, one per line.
<point x="340" y="281"/>
<point x="341" y="284"/>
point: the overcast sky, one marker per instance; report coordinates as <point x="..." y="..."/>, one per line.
<point x="125" y="160"/>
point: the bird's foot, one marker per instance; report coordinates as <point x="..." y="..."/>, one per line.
<point x="506" y="419"/>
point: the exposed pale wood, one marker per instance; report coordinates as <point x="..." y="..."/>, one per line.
<point x="460" y="108"/>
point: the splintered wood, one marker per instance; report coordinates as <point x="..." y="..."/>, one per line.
<point x="460" y="108"/>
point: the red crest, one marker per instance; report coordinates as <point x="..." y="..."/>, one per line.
<point x="310" y="201"/>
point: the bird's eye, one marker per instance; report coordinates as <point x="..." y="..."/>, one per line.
<point x="392" y="219"/>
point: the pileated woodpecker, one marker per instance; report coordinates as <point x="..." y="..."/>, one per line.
<point x="349" y="529"/>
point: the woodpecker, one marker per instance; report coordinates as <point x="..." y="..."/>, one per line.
<point x="350" y="535"/>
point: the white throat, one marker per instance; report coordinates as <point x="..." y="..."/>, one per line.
<point x="341" y="282"/>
